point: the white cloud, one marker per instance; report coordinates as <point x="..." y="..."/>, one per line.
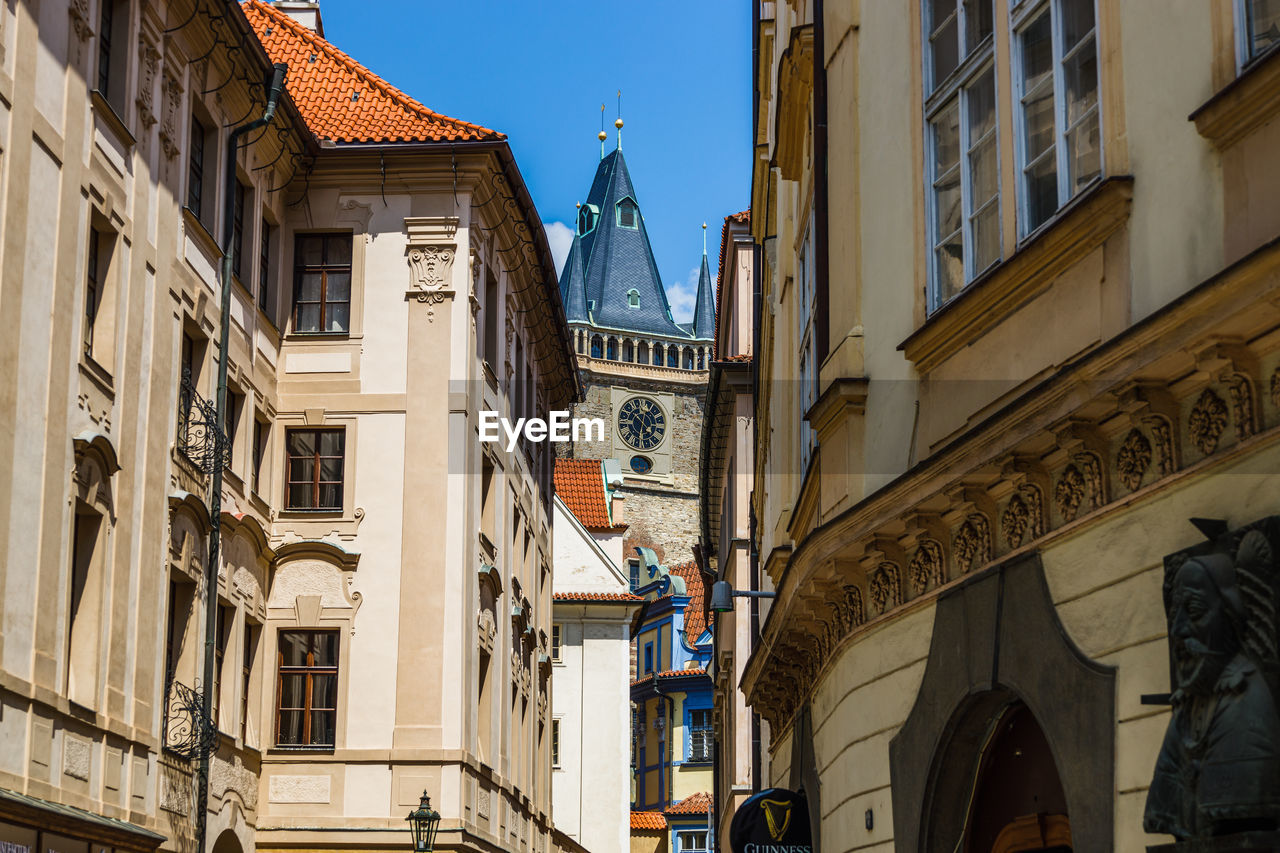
<point x="560" y="236"/>
<point x="683" y="296"/>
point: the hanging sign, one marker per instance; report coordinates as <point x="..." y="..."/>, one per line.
<point x="773" y="821"/>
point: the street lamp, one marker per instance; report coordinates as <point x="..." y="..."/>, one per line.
<point x="424" y="821"/>
<point x="723" y="594"/>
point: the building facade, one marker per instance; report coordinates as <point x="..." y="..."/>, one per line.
<point x="1018" y="325"/>
<point x="381" y="617"/>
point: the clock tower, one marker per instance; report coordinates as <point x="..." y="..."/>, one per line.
<point x="643" y="373"/>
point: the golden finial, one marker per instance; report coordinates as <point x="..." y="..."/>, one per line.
<point x="602" y="135"/>
<point x="618" y="123"/>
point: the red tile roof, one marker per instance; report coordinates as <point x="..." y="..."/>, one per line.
<point x="667" y="673"/>
<point x="743" y="216"/>
<point x="699" y="803"/>
<point x="648" y="820"/>
<point x="339" y="98"/>
<point x="580" y="484"/>
<point x="596" y="596"/>
<point x="696" y="615"/>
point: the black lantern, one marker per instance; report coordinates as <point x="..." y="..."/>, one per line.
<point x="424" y="821"/>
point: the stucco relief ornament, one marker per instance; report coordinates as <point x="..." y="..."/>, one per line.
<point x="1275" y="388"/>
<point x="1218" y="771"/>
<point x="1241" y="391"/>
<point x="973" y="543"/>
<point x="171" y="107"/>
<point x="854" y="611"/>
<point x="1014" y="521"/>
<point x="148" y="66"/>
<point x="431" y="267"/>
<point x="1069" y="493"/>
<point x="1207" y="421"/>
<point x="886" y="588"/>
<point x="488" y="629"/>
<point x="1162" y="432"/>
<point x="1133" y="459"/>
<point x="925" y="569"/>
<point x="79" y="11"/>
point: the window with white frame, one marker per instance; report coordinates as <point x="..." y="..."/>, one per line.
<point x="555" y="741"/>
<point x="806" y="341"/>
<point x="1056" y="81"/>
<point x="555" y="641"/>
<point x="963" y="157"/>
<point x="701" y="736"/>
<point x="692" y="841"/>
<point x="1258" y="25"/>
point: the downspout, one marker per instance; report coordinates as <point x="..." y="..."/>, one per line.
<point x="822" y="270"/>
<point x="668" y="735"/>
<point x="754" y="553"/>
<point x="215" y="485"/>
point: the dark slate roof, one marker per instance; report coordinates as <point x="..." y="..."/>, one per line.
<point x="573" y="289"/>
<point x="704" y="315"/>
<point x="617" y="260"/>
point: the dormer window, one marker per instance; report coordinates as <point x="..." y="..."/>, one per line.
<point x="588" y="216"/>
<point x="628" y="215"/>
<point x="633" y="298"/>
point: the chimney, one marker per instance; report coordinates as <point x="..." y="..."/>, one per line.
<point x="617" y="508"/>
<point x="305" y="12"/>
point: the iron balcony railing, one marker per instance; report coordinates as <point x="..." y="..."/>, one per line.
<point x="187" y="731"/>
<point x="199" y="438"/>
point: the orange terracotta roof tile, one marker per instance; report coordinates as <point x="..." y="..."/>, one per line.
<point x="580" y="484"/>
<point x="339" y="98"/>
<point x="648" y="820"/>
<point x="668" y="673"/>
<point x="597" y="596"/>
<point x="699" y="803"/>
<point x="696" y="615"/>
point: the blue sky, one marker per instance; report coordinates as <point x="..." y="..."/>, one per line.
<point x="538" y="71"/>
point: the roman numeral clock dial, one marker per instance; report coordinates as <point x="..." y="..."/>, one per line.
<point x="641" y="423"/>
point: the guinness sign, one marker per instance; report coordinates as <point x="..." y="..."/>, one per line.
<point x="773" y="821"/>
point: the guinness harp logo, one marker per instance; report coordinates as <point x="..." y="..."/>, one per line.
<point x="777" y="816"/>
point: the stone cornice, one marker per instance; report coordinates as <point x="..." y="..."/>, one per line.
<point x="1246" y="103"/>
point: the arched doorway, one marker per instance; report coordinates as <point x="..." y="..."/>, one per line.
<point x="227" y="843"/>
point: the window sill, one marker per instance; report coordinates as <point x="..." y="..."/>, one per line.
<point x="293" y="512"/>
<point x="318" y="336"/>
<point x="98" y="375"/>
<point x="1243" y="105"/>
<point x="105" y="109"/>
<point x="1080" y="227"/>
<point x="202" y="235"/>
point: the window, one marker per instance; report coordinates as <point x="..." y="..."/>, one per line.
<point x="628" y="351"/>
<point x="237" y="230"/>
<point x="628" y="216"/>
<point x="964" y="163"/>
<point x="634" y="569"/>
<point x="250" y="651"/>
<point x="221" y="634"/>
<point x="322" y="283"/>
<point x="555" y="742"/>
<point x="315" y="469"/>
<point x="633" y="298"/>
<point x="95" y="275"/>
<point x="235" y="406"/>
<point x="261" y="431"/>
<point x="555" y="642"/>
<point x="1260" y="28"/>
<point x="581" y="339"/>
<point x="181" y="596"/>
<point x="491" y="309"/>
<point x="694" y="841"/>
<point x="196" y="167"/>
<point x="688" y="358"/>
<point x="1059" y="141"/>
<point x="701" y="736"/>
<point x="588" y="215"/>
<point x="648" y="658"/>
<point x="808" y="353"/>
<point x="113" y="35"/>
<point x="83" y="616"/>
<point x="611" y="350"/>
<point x="657" y="354"/>
<point x="265" y="301"/>
<point x="642" y="354"/>
<point x="673" y="356"/>
<point x="307" y="692"/>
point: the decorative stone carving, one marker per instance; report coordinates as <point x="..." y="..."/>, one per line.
<point x="1162" y="432"/>
<point x="1091" y="468"/>
<point x="886" y="588"/>
<point x="80" y="21"/>
<point x="487" y="630"/>
<point x="1275" y="388"/>
<point x="1218" y="771"/>
<point x="431" y="267"/>
<point x="171" y="109"/>
<point x="148" y="68"/>
<point x="1023" y="518"/>
<point x="1207" y="421"/>
<point x="973" y="543"/>
<point x="855" y="612"/>
<point x="1069" y="493"/>
<point x="1133" y="459"/>
<point x="925" y="569"/>
<point x="1241" y="391"/>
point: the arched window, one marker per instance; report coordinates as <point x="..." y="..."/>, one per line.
<point x="588" y="215"/>
<point x="628" y="215"/>
<point x="611" y="349"/>
<point x="688" y="358"/>
<point x="628" y="351"/>
<point x="701" y="359"/>
<point x="581" y="337"/>
<point x="597" y="346"/>
<point x="633" y="298"/>
<point x="673" y="356"/>
<point x="657" y="354"/>
<point x="642" y="356"/>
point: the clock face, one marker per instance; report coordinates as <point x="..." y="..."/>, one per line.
<point x="641" y="423"/>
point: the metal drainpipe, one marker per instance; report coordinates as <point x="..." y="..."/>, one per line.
<point x="668" y="739"/>
<point x="215" y="485"/>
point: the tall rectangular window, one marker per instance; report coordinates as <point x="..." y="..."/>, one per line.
<point x="1260" y="27"/>
<point x="195" y="167"/>
<point x="315" y="469"/>
<point x="555" y="641"/>
<point x="83" y="620"/>
<point x="633" y="567"/>
<point x="648" y="658"/>
<point x="237" y="230"/>
<point x="701" y="736"/>
<point x="92" y="290"/>
<point x="249" y="653"/>
<point x="260" y="433"/>
<point x="963" y="160"/>
<point x="264" y="271"/>
<point x="221" y="636"/>
<point x="1059" y="140"/>
<point x="808" y="351"/>
<point x="322" y="283"/>
<point x="105" y="22"/>
<point x="555" y="741"/>
<point x="491" y="316"/>
<point x="307" y="690"/>
<point x="235" y="408"/>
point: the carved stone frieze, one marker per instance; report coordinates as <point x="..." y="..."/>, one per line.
<point x="1207" y="420"/>
<point x="170" y="110"/>
<point x="925" y="569"/>
<point x="886" y="588"/>
<point x="1162" y="433"/>
<point x="1069" y="493"/>
<point x="1133" y="459"/>
<point x="855" y="612"/>
<point x="1275" y="388"/>
<point x="973" y="543"/>
<point x="1241" y="391"/>
<point x="148" y="69"/>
